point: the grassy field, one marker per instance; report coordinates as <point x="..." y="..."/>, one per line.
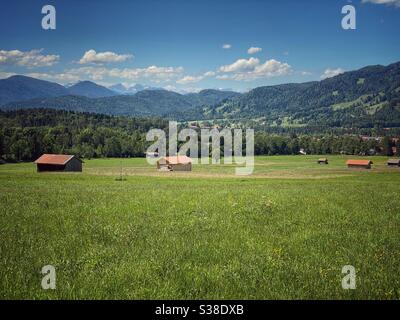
<point x="283" y="233"/>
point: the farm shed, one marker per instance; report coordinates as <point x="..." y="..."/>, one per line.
<point x="393" y="163"/>
<point x="59" y="162"/>
<point x="366" y="164"/>
<point x="323" y="161"/>
<point x="175" y="163"/>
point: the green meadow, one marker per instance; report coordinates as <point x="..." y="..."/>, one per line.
<point x="283" y="233"/>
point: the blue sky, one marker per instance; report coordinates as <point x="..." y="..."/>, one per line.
<point x="179" y="45"/>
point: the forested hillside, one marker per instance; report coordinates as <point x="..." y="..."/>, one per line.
<point x="26" y="134"/>
<point x="364" y="98"/>
<point x="146" y="103"/>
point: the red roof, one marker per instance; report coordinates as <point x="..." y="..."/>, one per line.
<point x="359" y="162"/>
<point x="59" y="159"/>
<point x="178" y="160"/>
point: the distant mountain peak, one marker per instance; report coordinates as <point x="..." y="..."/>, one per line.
<point x="20" y="88"/>
<point x="90" y="89"/>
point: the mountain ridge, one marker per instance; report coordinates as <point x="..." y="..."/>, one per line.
<point x="90" y="89"/>
<point x="365" y="97"/>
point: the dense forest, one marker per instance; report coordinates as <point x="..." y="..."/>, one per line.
<point x="26" y="134"/>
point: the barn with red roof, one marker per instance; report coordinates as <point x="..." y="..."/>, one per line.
<point x="365" y="164"/>
<point x="59" y="162"/>
<point x="175" y="163"/>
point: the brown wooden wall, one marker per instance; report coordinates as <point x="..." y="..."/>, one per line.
<point x="73" y="165"/>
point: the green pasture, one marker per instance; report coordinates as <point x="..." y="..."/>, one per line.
<point x="284" y="232"/>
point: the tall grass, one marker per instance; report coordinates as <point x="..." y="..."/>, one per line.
<point x="284" y="233"/>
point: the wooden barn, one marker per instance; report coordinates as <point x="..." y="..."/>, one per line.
<point x="363" y="164"/>
<point x="393" y="163"/>
<point x="175" y="163"/>
<point x="59" y="162"/>
<point x="323" y="161"/>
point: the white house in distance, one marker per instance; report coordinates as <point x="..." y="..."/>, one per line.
<point x="174" y="163"/>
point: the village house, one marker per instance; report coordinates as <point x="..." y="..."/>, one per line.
<point x="363" y="164"/>
<point x="175" y="163"/>
<point x="59" y="162"/>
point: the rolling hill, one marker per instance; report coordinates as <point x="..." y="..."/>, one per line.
<point x="210" y="97"/>
<point x="366" y="97"/>
<point x="145" y="103"/>
<point x="90" y="89"/>
<point x="19" y="88"/>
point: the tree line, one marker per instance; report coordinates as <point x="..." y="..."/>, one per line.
<point x="27" y="134"/>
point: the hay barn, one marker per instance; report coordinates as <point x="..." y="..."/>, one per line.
<point x="393" y="163"/>
<point x="59" y="162"/>
<point x="323" y="161"/>
<point x="175" y="163"/>
<point x="363" y="164"/>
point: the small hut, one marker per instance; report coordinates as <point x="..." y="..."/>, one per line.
<point x="175" y="163"/>
<point x="363" y="164"/>
<point x="393" y="163"/>
<point x="322" y="161"/>
<point x="59" y="162"/>
<point x="303" y="152"/>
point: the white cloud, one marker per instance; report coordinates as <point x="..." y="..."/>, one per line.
<point x="329" y="73"/>
<point x="92" y="56"/>
<point x="55" y="77"/>
<point x="153" y="73"/>
<point x="4" y="75"/>
<point x="29" y="59"/>
<point x="209" y="74"/>
<point x="223" y="77"/>
<point x="193" y="79"/>
<point x="253" y="50"/>
<point x="305" y="73"/>
<point x="240" y="65"/>
<point x="189" y="79"/>
<point x="387" y="2"/>
<point x="226" y="46"/>
<point x="102" y="74"/>
<point x="251" y="69"/>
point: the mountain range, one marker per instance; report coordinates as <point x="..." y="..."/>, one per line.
<point x="121" y="89"/>
<point x="21" y="88"/>
<point x="20" y="92"/>
<point x="366" y="97"/>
